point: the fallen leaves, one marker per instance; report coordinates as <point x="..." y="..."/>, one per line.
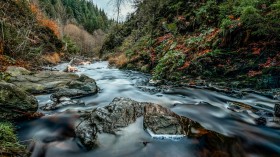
<point x="253" y="73"/>
<point x="6" y="61"/>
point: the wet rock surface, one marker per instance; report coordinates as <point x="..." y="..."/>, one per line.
<point x="61" y="104"/>
<point x="163" y="121"/>
<point x="51" y="81"/>
<point x="15" y="103"/>
<point x="261" y="114"/>
<point x="16" y="71"/>
<point x="119" y="113"/>
<point x="83" y="86"/>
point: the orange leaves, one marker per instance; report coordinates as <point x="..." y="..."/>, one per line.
<point x="186" y="65"/>
<point x="52" y="58"/>
<point x="1" y="47"/>
<point x="275" y="61"/>
<point x="183" y="48"/>
<point x="153" y="56"/>
<point x="6" y="61"/>
<point x="165" y="37"/>
<point x="181" y="18"/>
<point x="267" y="64"/>
<point x="256" y="51"/>
<point x="44" y="21"/>
<point x="253" y="73"/>
<point x="231" y="17"/>
<point x="213" y="34"/>
<point x="52" y="25"/>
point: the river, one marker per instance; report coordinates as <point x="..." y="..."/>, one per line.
<point x="209" y="108"/>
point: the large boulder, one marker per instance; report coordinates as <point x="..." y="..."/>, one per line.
<point x="16" y="71"/>
<point x="83" y="86"/>
<point x="15" y="103"/>
<point x="162" y="121"/>
<point x="43" y="82"/>
<point x="119" y="113"/>
<point x="66" y="84"/>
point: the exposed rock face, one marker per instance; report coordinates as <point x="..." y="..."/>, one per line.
<point x="163" y="121"/>
<point x="15" y="103"/>
<point x="50" y="81"/>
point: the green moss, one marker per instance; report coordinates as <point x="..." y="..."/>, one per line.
<point x="9" y="145"/>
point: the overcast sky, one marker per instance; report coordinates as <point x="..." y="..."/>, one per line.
<point x="111" y="11"/>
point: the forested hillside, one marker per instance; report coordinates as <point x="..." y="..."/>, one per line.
<point x="69" y="28"/>
<point x="233" y="42"/>
<point x="81" y="12"/>
<point x="25" y="34"/>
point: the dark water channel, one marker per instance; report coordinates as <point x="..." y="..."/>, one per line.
<point x="209" y="108"/>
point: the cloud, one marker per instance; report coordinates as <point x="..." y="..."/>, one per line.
<point x="111" y="11"/>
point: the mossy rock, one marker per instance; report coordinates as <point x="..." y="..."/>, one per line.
<point x="16" y="71"/>
<point x="15" y="103"/>
<point x="145" y="68"/>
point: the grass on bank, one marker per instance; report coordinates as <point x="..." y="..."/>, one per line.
<point x="9" y="145"/>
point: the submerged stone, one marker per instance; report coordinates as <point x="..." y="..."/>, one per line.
<point x="61" y="104"/>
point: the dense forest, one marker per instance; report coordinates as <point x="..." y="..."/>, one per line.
<point x="81" y="12"/>
<point x="221" y="41"/>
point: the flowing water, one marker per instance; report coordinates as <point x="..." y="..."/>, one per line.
<point x="209" y="108"/>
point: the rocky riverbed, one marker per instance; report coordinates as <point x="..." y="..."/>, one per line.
<point x="102" y="111"/>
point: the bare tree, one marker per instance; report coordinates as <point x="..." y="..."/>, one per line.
<point x="117" y="5"/>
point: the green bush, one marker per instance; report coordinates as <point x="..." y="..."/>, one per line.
<point x="168" y="66"/>
<point x="72" y="47"/>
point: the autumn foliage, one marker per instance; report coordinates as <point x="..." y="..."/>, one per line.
<point x="1" y="47"/>
<point x="44" y="21"/>
<point x="5" y="61"/>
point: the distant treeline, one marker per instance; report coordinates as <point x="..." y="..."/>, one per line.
<point x="81" y="12"/>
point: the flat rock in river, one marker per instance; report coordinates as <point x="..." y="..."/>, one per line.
<point x="50" y="81"/>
